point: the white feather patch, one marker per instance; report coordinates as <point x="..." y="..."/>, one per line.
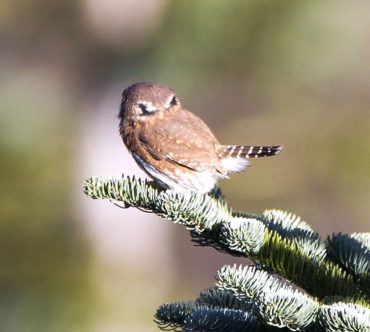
<point x="197" y="181"/>
<point x="235" y="165"/>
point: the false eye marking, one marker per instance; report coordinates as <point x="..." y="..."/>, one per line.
<point x="172" y="101"/>
<point x="146" y="107"/>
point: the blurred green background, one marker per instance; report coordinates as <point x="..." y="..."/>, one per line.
<point x="295" y="73"/>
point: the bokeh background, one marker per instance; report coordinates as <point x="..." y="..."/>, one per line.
<point x="295" y="73"/>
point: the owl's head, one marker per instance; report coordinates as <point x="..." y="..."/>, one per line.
<point x="143" y="100"/>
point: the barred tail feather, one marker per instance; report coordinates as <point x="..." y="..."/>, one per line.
<point x="246" y="151"/>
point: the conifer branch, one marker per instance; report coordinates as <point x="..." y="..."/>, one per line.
<point x="342" y="316"/>
<point x="353" y="253"/>
<point x="280" y="302"/>
<point x="289" y="254"/>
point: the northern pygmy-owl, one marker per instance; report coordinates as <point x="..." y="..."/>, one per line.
<point x="175" y="147"/>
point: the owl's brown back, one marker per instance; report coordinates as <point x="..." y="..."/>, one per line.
<point x="179" y="138"/>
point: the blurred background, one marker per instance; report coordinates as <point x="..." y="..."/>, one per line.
<point x="258" y="72"/>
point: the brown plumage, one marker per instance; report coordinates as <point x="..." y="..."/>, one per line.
<point x="175" y="147"/>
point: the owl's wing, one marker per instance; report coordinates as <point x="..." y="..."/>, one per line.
<point x="184" y="140"/>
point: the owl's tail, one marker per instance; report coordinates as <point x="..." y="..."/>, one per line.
<point x="246" y="151"/>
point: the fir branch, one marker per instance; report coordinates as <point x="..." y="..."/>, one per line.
<point x="171" y="316"/>
<point x="281" y="220"/>
<point x="219" y="319"/>
<point x="335" y="270"/>
<point x="352" y="252"/>
<point x="322" y="278"/>
<point x="201" y="316"/>
<point x="130" y="191"/>
<point x="196" y="211"/>
<point x="245" y="235"/>
<point x="363" y="239"/>
<point x="277" y="239"/>
<point x="291" y="227"/>
<point x="287" y="307"/>
<point x="345" y="317"/>
<point x="280" y="303"/>
<point x="246" y="280"/>
<point x="222" y="298"/>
